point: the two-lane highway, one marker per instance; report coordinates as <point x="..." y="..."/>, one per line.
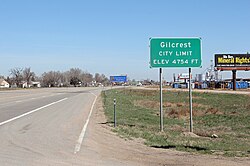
<point x="44" y="126"/>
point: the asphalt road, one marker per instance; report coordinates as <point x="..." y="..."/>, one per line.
<point x="44" y="126"/>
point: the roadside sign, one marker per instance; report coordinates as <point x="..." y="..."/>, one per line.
<point x="175" y="52"/>
<point x="184" y="76"/>
<point x="232" y="61"/>
<point x="118" y="78"/>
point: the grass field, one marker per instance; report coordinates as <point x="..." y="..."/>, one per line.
<point x="225" y="115"/>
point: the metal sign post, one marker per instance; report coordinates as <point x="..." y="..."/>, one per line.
<point x="114" y="112"/>
<point x="190" y="101"/>
<point x="161" y="111"/>
<point x="234" y="79"/>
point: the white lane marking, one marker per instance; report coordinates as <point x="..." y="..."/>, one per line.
<point x="80" y="139"/>
<point x="35" y="110"/>
<point x="9" y="97"/>
<point x="19" y="101"/>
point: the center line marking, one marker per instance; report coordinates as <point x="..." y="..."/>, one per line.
<point x="35" y="110"/>
<point x="80" y="139"/>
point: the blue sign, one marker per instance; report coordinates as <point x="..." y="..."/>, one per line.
<point x="118" y="78"/>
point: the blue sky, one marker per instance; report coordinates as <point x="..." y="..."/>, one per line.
<point x="112" y="36"/>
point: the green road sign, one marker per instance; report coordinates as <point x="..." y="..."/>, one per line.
<point x="175" y="52"/>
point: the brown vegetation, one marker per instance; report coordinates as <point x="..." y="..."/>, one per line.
<point x="178" y="110"/>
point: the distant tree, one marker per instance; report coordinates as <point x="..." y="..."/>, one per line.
<point x="98" y="77"/>
<point x="101" y="78"/>
<point x="37" y="79"/>
<point x="132" y="82"/>
<point x="28" y="75"/>
<point x="65" y="79"/>
<point x="51" y="78"/>
<point x="75" y="72"/>
<point x="1" y="77"/>
<point x="17" y="75"/>
<point x="9" y="80"/>
<point x="104" y="80"/>
<point x="33" y="78"/>
<point x="86" y="78"/>
<point x="74" y="76"/>
<point x="75" y="81"/>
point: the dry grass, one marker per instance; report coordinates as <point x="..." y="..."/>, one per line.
<point x="178" y="110"/>
<point x="225" y="115"/>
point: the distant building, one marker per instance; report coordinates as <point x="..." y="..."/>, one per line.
<point x="4" y="84"/>
<point x="25" y="84"/>
<point x="36" y="84"/>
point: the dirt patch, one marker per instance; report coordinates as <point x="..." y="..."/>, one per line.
<point x="152" y="104"/>
<point x="203" y="133"/>
<point x="233" y="113"/>
<point x="184" y="112"/>
<point x="141" y="92"/>
<point x="195" y="105"/>
<point x="190" y="134"/>
<point x="213" y="111"/>
<point x="248" y="106"/>
<point x="178" y="128"/>
<point x="156" y="104"/>
<point x="178" y="113"/>
<point x="180" y="104"/>
<point x="196" y="97"/>
<point x="147" y="104"/>
<point x="218" y="130"/>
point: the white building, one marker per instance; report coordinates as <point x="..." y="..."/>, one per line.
<point x="24" y="84"/>
<point x="36" y="84"/>
<point x="4" y="84"/>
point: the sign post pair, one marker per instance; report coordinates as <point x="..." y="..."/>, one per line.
<point x="175" y="52"/>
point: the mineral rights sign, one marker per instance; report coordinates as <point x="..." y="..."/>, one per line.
<point x="175" y="52"/>
<point x="232" y="60"/>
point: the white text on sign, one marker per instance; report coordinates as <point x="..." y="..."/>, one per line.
<point x="175" y="61"/>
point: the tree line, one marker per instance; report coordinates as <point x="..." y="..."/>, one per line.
<point x="72" y="77"/>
